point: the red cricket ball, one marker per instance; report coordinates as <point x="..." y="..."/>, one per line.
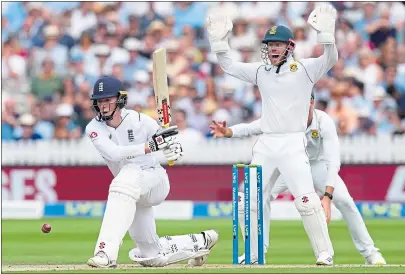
<point x="46" y="228"/>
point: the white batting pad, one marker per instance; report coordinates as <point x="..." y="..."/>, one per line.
<point x="118" y="216"/>
<point x="314" y="220"/>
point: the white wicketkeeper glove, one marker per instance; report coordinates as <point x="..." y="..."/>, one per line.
<point x="323" y="19"/>
<point x="218" y="26"/>
<point x="173" y="152"/>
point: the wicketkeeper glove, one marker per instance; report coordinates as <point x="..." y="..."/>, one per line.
<point x="323" y="19"/>
<point x="173" y="152"/>
<point x="163" y="138"/>
<point x="218" y="26"/>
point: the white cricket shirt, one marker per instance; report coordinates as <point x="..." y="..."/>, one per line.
<point x="285" y="95"/>
<point x="126" y="143"/>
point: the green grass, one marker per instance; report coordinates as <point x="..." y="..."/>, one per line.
<point x="72" y="241"/>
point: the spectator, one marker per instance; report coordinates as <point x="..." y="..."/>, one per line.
<point x="136" y="61"/>
<point x="150" y="16"/>
<point x="53" y="50"/>
<point x="187" y="135"/>
<point x="26" y="129"/>
<point x="9" y="119"/>
<point x="381" y="30"/>
<point x="13" y="68"/>
<point x="82" y="19"/>
<point x="138" y="94"/>
<point x="198" y="119"/>
<point x="343" y="114"/>
<point x="65" y="127"/>
<point x="47" y="83"/>
<point x="368" y="22"/>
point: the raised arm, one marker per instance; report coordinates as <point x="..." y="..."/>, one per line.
<point x="218" y="26"/>
<point x="323" y="19"/>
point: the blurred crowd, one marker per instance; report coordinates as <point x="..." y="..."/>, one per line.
<point x="53" y="52"/>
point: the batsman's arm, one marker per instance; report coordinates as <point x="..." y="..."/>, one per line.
<point x="111" y="151"/>
<point x="330" y="142"/>
<point x="245" y="130"/>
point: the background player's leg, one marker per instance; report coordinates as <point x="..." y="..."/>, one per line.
<point x="296" y="172"/>
<point x="120" y="210"/>
<point x="358" y="230"/>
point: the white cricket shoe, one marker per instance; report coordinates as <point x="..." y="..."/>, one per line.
<point x="101" y="260"/>
<point x="324" y="259"/>
<point x="376" y="259"/>
<point x="211" y="238"/>
<point x="241" y="260"/>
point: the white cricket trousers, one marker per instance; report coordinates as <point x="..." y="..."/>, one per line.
<point x="128" y="212"/>
<point x="286" y="155"/>
<point x="341" y="199"/>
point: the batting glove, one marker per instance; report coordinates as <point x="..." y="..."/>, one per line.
<point x="163" y="138"/>
<point x="323" y="19"/>
<point x="173" y="152"/>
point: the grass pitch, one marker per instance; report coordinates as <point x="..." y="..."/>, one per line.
<point x="71" y="242"/>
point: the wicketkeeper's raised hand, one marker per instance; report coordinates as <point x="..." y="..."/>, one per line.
<point x="218" y="26"/>
<point x="163" y="138"/>
<point x="323" y="19"/>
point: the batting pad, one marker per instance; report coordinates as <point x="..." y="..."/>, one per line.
<point x="314" y="220"/>
<point x="118" y="216"/>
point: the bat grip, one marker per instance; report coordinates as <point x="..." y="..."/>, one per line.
<point x="171" y="163"/>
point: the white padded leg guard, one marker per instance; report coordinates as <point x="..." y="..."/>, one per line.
<point x="314" y="220"/>
<point x="118" y="216"/>
<point x="123" y="195"/>
<point x="190" y="242"/>
<point x="254" y="237"/>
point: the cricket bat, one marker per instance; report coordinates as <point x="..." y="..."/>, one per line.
<point x="161" y="89"/>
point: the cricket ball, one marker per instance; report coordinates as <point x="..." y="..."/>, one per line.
<point x="46" y="228"/>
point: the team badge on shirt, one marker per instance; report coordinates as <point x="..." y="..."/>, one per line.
<point x="315" y="133"/>
<point x="293" y="67"/>
<point x="130" y="135"/>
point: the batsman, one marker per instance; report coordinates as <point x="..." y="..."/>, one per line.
<point x="127" y="141"/>
<point x="285" y="86"/>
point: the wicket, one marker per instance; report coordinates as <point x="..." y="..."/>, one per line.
<point x="246" y="187"/>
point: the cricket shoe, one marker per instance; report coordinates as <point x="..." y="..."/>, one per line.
<point x="376" y="259"/>
<point x="101" y="260"/>
<point x="241" y="260"/>
<point x="324" y="259"/>
<point x="211" y="238"/>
